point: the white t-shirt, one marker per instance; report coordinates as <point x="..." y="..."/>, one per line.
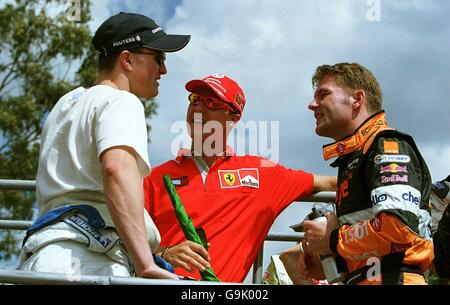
<point x="83" y="124"/>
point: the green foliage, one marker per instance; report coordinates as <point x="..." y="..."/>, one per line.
<point x="38" y="42"/>
<point x="40" y="48"/>
<point x="8" y="244"/>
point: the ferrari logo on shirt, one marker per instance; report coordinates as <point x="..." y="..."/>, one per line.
<point x="248" y="177"/>
<point x="230" y="178"/>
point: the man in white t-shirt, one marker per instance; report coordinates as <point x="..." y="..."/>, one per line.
<point x="93" y="158"/>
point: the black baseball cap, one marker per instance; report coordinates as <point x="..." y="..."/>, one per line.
<point x="127" y="31"/>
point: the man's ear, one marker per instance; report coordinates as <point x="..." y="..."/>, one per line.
<point x="125" y="61"/>
<point x="236" y="117"/>
<point x="358" y="98"/>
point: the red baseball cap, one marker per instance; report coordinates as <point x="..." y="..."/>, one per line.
<point x="226" y="88"/>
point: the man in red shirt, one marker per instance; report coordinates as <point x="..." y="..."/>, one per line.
<point x="234" y="199"/>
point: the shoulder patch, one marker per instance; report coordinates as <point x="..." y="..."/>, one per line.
<point x="441" y="188"/>
<point x="390" y="147"/>
<point x="391" y="159"/>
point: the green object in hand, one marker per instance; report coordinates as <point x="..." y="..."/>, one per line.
<point x="187" y="225"/>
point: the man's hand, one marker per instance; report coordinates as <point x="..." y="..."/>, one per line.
<point x="155" y="272"/>
<point x="188" y="255"/>
<point x="317" y="233"/>
<point x="289" y="258"/>
<point x="309" y="264"/>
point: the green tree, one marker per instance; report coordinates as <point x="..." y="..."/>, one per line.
<point x="42" y="43"/>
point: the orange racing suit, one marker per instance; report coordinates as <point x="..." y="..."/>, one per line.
<point x="382" y="205"/>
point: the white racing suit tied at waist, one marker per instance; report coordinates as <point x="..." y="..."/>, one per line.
<point x="79" y="223"/>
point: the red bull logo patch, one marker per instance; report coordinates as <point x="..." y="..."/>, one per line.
<point x="393" y="168"/>
<point x="248" y="177"/>
<point x="394" y="179"/>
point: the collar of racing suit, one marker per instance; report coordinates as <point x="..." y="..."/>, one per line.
<point x="365" y="134"/>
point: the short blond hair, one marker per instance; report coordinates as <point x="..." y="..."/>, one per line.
<point x="355" y="77"/>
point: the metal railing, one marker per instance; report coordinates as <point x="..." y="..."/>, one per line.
<point x="45" y="278"/>
<point x="17" y="185"/>
<point x="26" y="277"/>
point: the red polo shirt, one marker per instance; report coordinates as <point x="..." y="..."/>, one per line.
<point x="236" y="206"/>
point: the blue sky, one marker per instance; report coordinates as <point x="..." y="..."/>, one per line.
<point x="272" y="49"/>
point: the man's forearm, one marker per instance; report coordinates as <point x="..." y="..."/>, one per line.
<point x="124" y="196"/>
<point x="325" y="183"/>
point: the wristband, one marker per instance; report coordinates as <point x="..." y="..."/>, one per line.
<point x="164" y="252"/>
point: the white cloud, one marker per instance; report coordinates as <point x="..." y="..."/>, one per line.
<point x="413" y="4"/>
<point x="437" y="157"/>
<point x="100" y="11"/>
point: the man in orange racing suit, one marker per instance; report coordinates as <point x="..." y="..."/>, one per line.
<point x="384" y="184"/>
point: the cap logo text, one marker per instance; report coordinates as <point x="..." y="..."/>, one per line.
<point x="124" y="41"/>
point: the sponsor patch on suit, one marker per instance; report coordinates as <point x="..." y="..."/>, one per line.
<point x="244" y="177"/>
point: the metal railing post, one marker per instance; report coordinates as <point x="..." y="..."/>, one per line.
<point x="257" y="267"/>
<point x="272" y="236"/>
